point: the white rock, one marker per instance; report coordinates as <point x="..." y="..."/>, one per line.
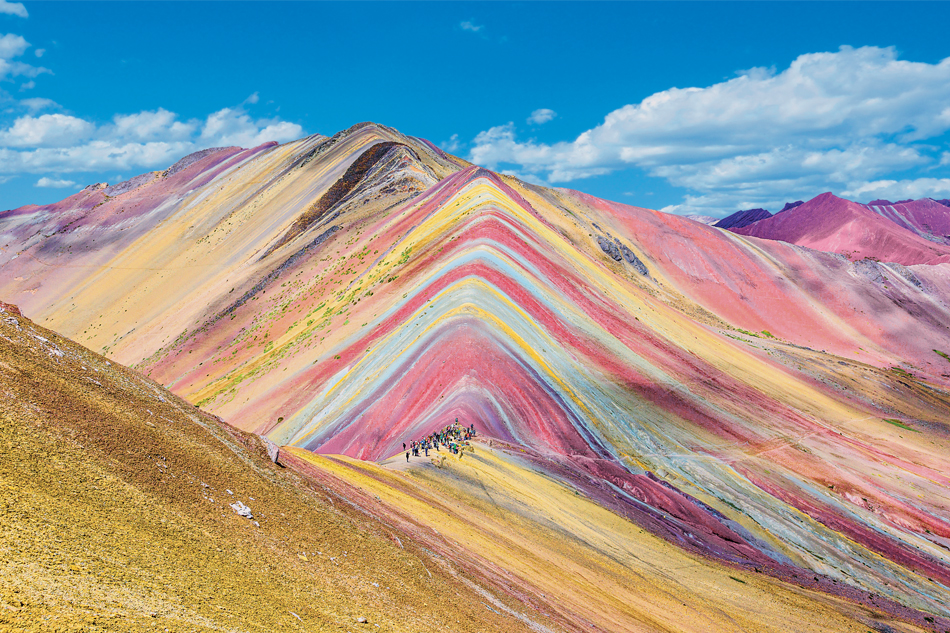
<point x="242" y="510"/>
<point x="273" y="451"/>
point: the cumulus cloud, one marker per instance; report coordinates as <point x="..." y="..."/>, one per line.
<point x="900" y="189"/>
<point x="542" y="115"/>
<point x="61" y="143"/>
<point x="46" y="130"/>
<point x="234" y="126"/>
<point x="469" y="25"/>
<point x="830" y="120"/>
<point x="254" y="98"/>
<point x="12" y="46"/>
<point x="155" y="125"/>
<point x="54" y="183"/>
<point x="13" y="8"/>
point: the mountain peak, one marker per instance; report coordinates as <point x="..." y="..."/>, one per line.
<point x="350" y="294"/>
<point x="829" y="223"/>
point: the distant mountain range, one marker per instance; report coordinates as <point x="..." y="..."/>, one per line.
<point x="680" y="427"/>
<point x="907" y="232"/>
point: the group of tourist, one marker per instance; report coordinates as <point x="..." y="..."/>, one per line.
<point x="451" y="437"/>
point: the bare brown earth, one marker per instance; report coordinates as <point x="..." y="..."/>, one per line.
<point x="114" y="516"/>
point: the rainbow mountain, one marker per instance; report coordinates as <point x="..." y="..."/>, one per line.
<point x="647" y="389"/>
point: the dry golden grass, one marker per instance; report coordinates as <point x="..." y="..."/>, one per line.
<point x="114" y="515"/>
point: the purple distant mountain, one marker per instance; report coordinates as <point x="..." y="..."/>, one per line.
<point x="740" y="219"/>
<point x="908" y="233"/>
<point x="887" y="203"/>
<point x="945" y="203"/>
<point x="791" y="205"/>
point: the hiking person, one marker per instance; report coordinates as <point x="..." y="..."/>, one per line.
<point x="407" y="456"/>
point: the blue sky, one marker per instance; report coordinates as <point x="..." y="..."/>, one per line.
<point x="690" y="107"/>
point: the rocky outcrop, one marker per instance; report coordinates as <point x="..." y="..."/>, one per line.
<point x="610" y="248"/>
<point x="9" y="308"/>
<point x="273" y="451"/>
<point x="618" y="251"/>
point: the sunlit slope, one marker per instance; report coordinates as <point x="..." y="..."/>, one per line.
<point x="511" y="321"/>
<point x="129" y="273"/>
<point x="752" y="401"/>
<point x="499" y="516"/>
<point x="115" y="515"/>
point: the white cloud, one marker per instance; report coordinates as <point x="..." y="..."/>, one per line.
<point x="234" y="126"/>
<point x="469" y="25"/>
<point x="452" y="144"/>
<point x="830" y="119"/>
<point x="93" y="156"/>
<point x="39" y="52"/>
<point x="46" y="130"/>
<point x="149" y="126"/>
<point x="945" y="158"/>
<point x="61" y="143"/>
<point x="254" y="98"/>
<point x="13" y="8"/>
<point x="498" y="145"/>
<point x="900" y="189"/>
<point x="53" y="183"/>
<point x="13" y="69"/>
<point x="541" y="116"/>
<point x="12" y="46"/>
<point x="35" y="104"/>
<point x="28" y="86"/>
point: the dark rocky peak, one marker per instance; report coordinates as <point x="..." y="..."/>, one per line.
<point x="887" y="203"/>
<point x="740" y="219"/>
<point x="791" y="205"/>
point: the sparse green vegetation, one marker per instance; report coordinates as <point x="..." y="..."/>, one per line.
<point x="762" y="334"/>
<point x="900" y="372"/>
<point x="900" y="424"/>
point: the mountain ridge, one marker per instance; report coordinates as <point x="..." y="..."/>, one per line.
<point x="116" y="481"/>
<point x="833" y="224"/>
<point x="734" y="395"/>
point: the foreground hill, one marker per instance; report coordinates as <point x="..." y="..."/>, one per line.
<point x="753" y="402"/>
<point x="913" y="232"/>
<point x="115" y="515"/>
